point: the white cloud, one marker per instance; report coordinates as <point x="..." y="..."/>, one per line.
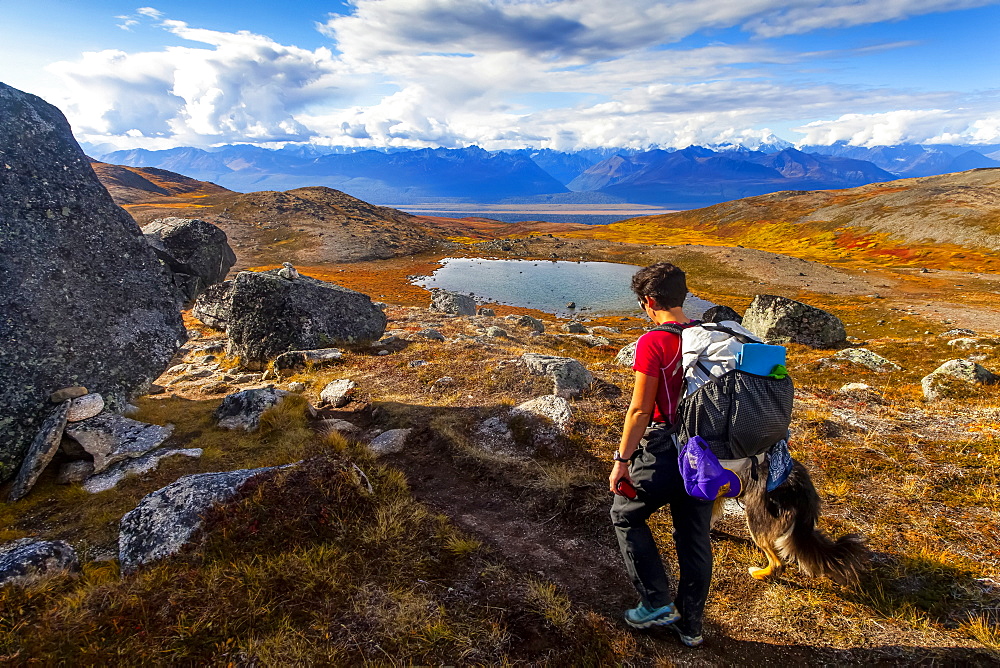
<point x="915" y="126"/>
<point x="246" y="87"/>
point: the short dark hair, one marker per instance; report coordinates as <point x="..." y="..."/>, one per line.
<point x="663" y="282"/>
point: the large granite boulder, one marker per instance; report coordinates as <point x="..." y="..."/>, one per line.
<point x="25" y="559"/>
<point x="782" y="320"/>
<point x="165" y="519"/>
<point x="269" y="315"/>
<point x="452" y="302"/>
<point x="198" y="253"/>
<point x="83" y="298"/>
<point x="212" y="305"/>
<point x="955" y="379"/>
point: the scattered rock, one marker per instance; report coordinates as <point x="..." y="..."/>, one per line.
<point x="212" y="305"/>
<point x="109" y="479"/>
<point x="452" y="302"/>
<point x="861" y="391"/>
<point x="533" y="324"/>
<point x="416" y="363"/>
<point x="26" y="559"/>
<point x="575" y="328"/>
<point x="431" y="334"/>
<point x="570" y="304"/>
<point x="593" y="341"/>
<point x="333" y="424"/>
<point x="40" y="453"/>
<point x="569" y="377"/>
<point x="957" y="332"/>
<point x="626" y="356"/>
<point x="84" y="299"/>
<point x="441" y="383"/>
<point x="165" y="519"/>
<point x="269" y="316"/>
<point x="317" y="359"/>
<point x="338" y="392"/>
<point x="549" y="418"/>
<point x="380" y="305"/>
<point x="296" y="387"/>
<point x="963" y="343"/>
<point x="76" y="471"/>
<point x="601" y="329"/>
<point x="488" y="312"/>
<point x="955" y="378"/>
<point x="85" y="407"/>
<point x="242" y="410"/>
<point x="62" y="395"/>
<point x="867" y="359"/>
<point x="721" y="313"/>
<point x="110" y="438"/>
<point x="781" y="320"/>
<point x="494" y="436"/>
<point x="198" y="253"/>
<point x="389" y="442"/>
<point x="288" y="271"/>
<point x="496" y="332"/>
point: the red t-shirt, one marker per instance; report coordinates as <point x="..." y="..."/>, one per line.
<point x="658" y="354"/>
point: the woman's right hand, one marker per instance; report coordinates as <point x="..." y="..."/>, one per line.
<point x="618" y="471"/>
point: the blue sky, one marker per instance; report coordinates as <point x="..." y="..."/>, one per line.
<point x="564" y="74"/>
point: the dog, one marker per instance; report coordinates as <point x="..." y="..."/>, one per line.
<point x="782" y="524"/>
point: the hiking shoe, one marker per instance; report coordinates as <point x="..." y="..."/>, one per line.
<point x="689" y="641"/>
<point x="642" y="617"/>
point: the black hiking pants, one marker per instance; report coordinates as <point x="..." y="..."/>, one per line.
<point x="658" y="482"/>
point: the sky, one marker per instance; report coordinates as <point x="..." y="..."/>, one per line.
<point x="559" y="74"/>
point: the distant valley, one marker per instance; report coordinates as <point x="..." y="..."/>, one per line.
<point x="674" y="179"/>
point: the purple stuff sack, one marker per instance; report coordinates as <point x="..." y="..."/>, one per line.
<point x="704" y="477"/>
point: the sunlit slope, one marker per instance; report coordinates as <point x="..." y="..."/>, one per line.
<point x="947" y="221"/>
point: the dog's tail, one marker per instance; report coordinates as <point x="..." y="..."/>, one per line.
<point x="842" y="560"/>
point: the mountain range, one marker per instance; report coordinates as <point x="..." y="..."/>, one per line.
<point x="692" y="177"/>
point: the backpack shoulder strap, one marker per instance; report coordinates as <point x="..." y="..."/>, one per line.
<point x="675" y="328"/>
<point x="739" y="336"/>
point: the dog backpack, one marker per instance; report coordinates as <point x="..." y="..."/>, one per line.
<point x="737" y="413"/>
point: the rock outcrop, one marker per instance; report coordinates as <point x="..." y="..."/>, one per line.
<point x="83" y="298"/>
<point x="165" y="519"/>
<point x="782" y="320"/>
<point x="268" y="315"/>
<point x="29" y="558"/>
<point x="212" y="305"/>
<point x="197" y="253"/>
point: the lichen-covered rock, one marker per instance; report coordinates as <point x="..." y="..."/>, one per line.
<point x="592" y="341"/>
<point x="575" y="328"/>
<point x="40" y="453"/>
<point x="165" y="519"/>
<point x="867" y="359"/>
<point x="494" y="436"/>
<point x="431" y="334"/>
<point x="197" y="252"/>
<point x="626" y="356"/>
<point x="963" y="343"/>
<point x="298" y="359"/>
<point x="496" y="332"/>
<point x="83" y="298"/>
<point x="109" y="478"/>
<point x="389" y="442"/>
<point x="955" y="378"/>
<point x="269" y="315"/>
<point x="65" y="393"/>
<point x="85" y="407"/>
<point x="338" y="392"/>
<point x="958" y="331"/>
<point x="782" y="320"/>
<point x="569" y="377"/>
<point x="212" y="305"/>
<point x="334" y="425"/>
<point x="242" y="410"/>
<point x="487" y="312"/>
<point x="110" y="438"/>
<point x="452" y="302"/>
<point x="26" y="559"/>
<point x="721" y="313"/>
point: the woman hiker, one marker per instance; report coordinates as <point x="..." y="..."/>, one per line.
<point x="646" y="462"/>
